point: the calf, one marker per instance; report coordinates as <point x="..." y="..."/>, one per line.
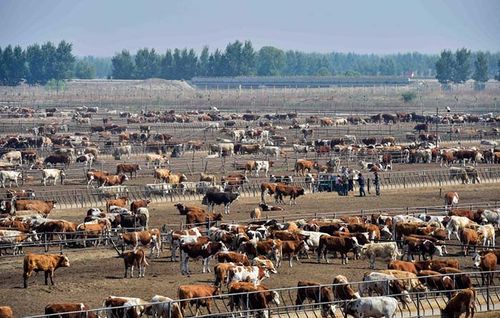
<point x="135" y="258"/>
<point x="292" y="249"/>
<point x="150" y="237"/>
<point x="47" y="263"/>
<point x="308" y="290"/>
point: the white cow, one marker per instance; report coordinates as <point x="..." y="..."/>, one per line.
<point x="457" y="223"/>
<point x="253" y="274"/>
<point x="381" y="306"/>
<point x="55" y="174"/>
<point x="271" y="151"/>
<point x="384" y="285"/>
<point x="132" y="307"/>
<point x="164" y="307"/>
<point x="385" y="250"/>
<point x="225" y="147"/>
<point x="238" y="134"/>
<point x="13" y="156"/>
<point x="492" y="216"/>
<point x="301" y="148"/>
<point x="157" y="160"/>
<point x="123" y="150"/>
<point x="487" y="234"/>
<point x="11" y="176"/>
<point x="262" y="165"/>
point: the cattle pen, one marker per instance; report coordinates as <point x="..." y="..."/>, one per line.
<point x="423" y="304"/>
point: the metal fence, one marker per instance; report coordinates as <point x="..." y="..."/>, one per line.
<point x="423" y="304"/>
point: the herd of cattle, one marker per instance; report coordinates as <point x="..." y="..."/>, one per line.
<point x="249" y="253"/>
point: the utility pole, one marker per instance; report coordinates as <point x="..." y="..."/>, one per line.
<point x="437" y="121"/>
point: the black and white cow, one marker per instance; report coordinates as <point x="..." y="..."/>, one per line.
<point x="217" y="198"/>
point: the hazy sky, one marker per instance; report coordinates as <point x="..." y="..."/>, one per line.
<point x="104" y="27"/>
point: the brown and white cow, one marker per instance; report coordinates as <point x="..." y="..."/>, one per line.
<point x="197" y="250"/>
<point x="150" y="237"/>
<point x="463" y="302"/>
<point x="69" y="310"/>
<point x="125" y="307"/>
<point x="309" y="290"/>
<point x="135" y="258"/>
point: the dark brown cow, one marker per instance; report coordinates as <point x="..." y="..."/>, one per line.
<point x="135" y="258"/>
<point x="131" y="168"/>
<point x="336" y="244"/>
<point x="288" y="191"/>
<point x="436" y="281"/>
<point x="342" y="290"/>
<point x="309" y="290"/>
<point x="197" y="250"/>
<point x="184" y="209"/>
<point x="47" y="263"/>
<point x="462" y="280"/>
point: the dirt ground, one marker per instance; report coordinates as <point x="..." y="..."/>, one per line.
<point x="97" y="273"/>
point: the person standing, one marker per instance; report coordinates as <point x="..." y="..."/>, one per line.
<point x="376" y="181"/>
<point x="361" y="182"/>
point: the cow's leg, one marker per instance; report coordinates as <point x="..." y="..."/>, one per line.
<point x="126" y="271"/>
<point x="46" y="277"/>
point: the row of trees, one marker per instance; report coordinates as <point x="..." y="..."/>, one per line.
<point x="39" y="64"/>
<point x="457" y="68"/>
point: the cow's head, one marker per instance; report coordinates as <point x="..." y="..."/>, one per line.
<point x="476" y="258"/>
<point x="63" y="261"/>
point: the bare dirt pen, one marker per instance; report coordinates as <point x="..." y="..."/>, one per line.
<point x="97" y="273"/>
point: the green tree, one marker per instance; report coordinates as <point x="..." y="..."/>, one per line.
<point x="248" y="57"/>
<point x="176" y="64"/>
<point x="15" y="65"/>
<point x="166" y="65"/>
<point x="233" y="58"/>
<point x="36" y="65"/>
<point x="2" y="68"/>
<point x="271" y="61"/>
<point x="202" y="67"/>
<point x="122" y="66"/>
<point x="461" y="72"/>
<point x="480" y="68"/>
<point x="64" y="62"/>
<point x="216" y="64"/>
<point x="147" y="63"/>
<point x="497" y="76"/>
<point x="387" y="67"/>
<point x="444" y="67"/>
<point x="84" y="70"/>
<point x="49" y="62"/>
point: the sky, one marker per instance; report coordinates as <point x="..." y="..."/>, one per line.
<point x="104" y="27"/>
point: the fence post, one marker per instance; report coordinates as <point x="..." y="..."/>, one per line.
<point x="488" y="297"/>
<point x="418" y="305"/>
<point x="46" y="243"/>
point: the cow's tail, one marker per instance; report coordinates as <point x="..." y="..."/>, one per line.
<point x="144" y="259"/>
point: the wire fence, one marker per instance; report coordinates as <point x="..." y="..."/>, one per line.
<point x="422" y="303"/>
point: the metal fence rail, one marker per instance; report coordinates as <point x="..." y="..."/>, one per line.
<point x="423" y="304"/>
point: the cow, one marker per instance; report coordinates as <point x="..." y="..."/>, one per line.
<point x="267" y="187"/>
<point x="491" y="216"/>
<point x="120" y="202"/>
<point x="436" y="281"/>
<point x="221" y="271"/>
<point x="336" y="244"/>
<point x="161" y="174"/>
<point x="450" y="199"/>
<point x="246" y="296"/>
<point x="135" y="258"/>
<point x="42" y="207"/>
<point x="409" y="280"/>
<point x="486" y="263"/>
<point x="96" y="175"/>
<point x="234" y="257"/>
<point x="53" y="174"/>
<point x="135" y="205"/>
<point x="253" y="274"/>
<point x="122" y="150"/>
<point x="47" y="263"/>
<point x="185" y="236"/>
<point x="486" y="233"/>
<point x="14" y="239"/>
<point x="164" y="307"/>
<point x="96" y="229"/>
<point x="196" y="250"/>
<point x="217" y="198"/>
<point x="259" y="165"/>
<point x="462" y="280"/>
<point x="288" y="190"/>
<point x="131" y="168"/>
<point x="273" y="151"/>
<point x="13" y="156"/>
<point x="379" y="306"/>
<point x="184" y="209"/>
<point x="463" y="302"/>
<point x="113" y="180"/>
<point x="86" y="159"/>
<point x="124" y="307"/>
<point x="200" y="295"/>
<point x="383" y="285"/>
<point x="402" y="266"/>
<point x="10" y="176"/>
<point x="69" y="310"/>
<point x="208" y="178"/>
<point x="342" y="290"/>
<point x="292" y="248"/>
<point x="309" y="290"/>
<point x="198" y="218"/>
<point x="386" y="250"/>
<point x="303" y="166"/>
<point x="150" y="237"/>
<point x="157" y="160"/>
<point x="458" y="223"/>
<point x="57" y="159"/>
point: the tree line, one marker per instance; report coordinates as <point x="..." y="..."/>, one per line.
<point x="457" y="67"/>
<point x="39" y="64"/>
